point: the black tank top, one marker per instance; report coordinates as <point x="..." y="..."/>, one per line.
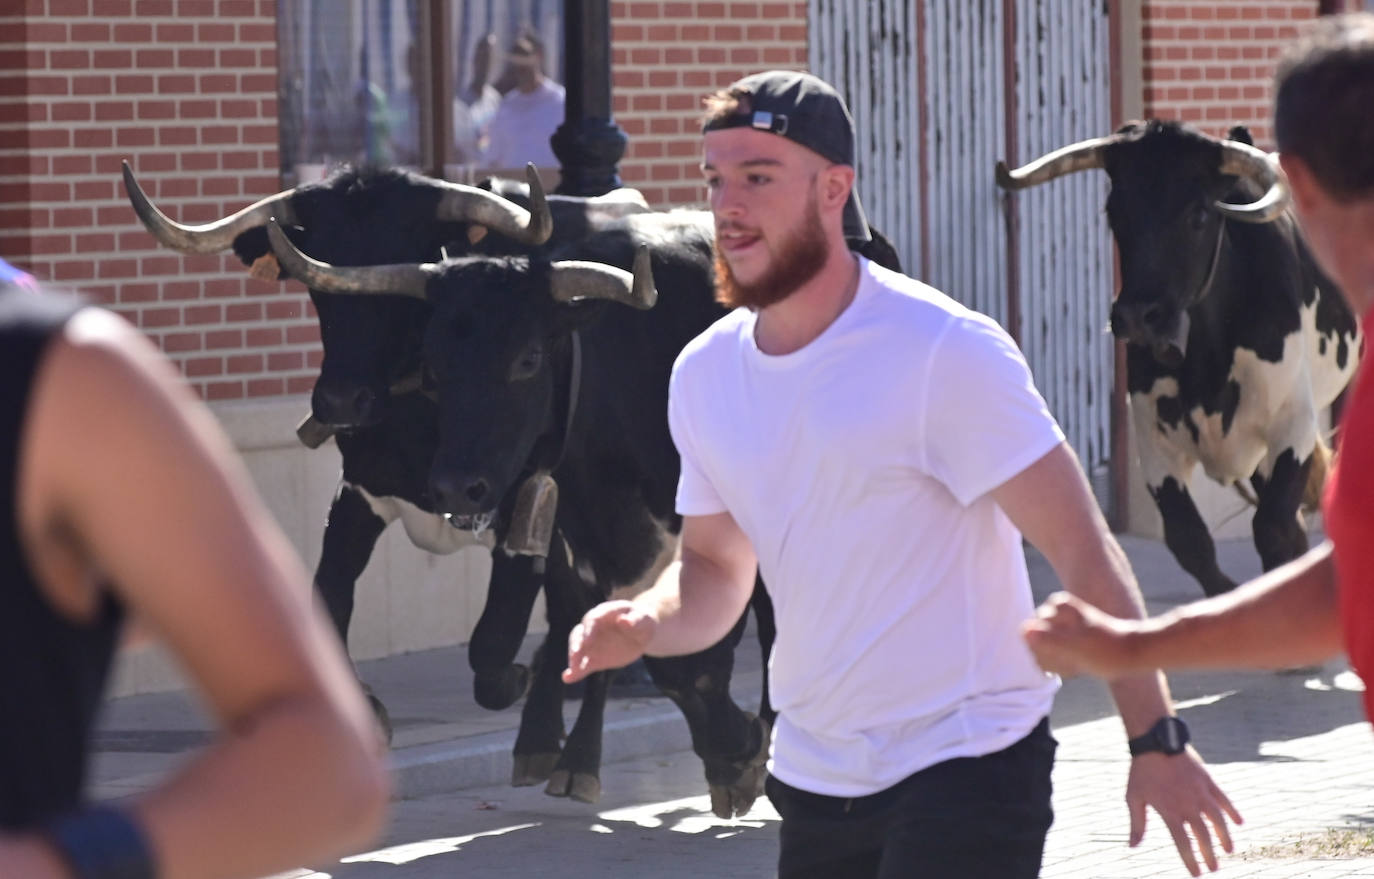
<point x="53" y="670"/>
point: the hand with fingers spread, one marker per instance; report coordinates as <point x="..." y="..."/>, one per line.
<point x="611" y="635"/>
<point x="1071" y="637"/>
<point x="1180" y="789"/>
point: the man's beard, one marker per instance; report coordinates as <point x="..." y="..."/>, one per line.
<point x="798" y="258"/>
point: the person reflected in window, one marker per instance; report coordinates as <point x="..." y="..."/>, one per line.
<point x="474" y="104"/>
<point x="529" y="112"/>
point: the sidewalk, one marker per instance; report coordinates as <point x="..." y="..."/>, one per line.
<point x="1291" y="750"/>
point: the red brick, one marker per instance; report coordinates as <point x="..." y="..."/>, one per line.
<point x="285" y="361"/>
<point x="108" y="111"/>
<point x="266" y="387"/>
<point x="199" y="367"/>
<point x="218" y="339"/>
<point x="154" y="7"/>
<point x="196" y="58"/>
<point x="113" y="59"/>
<point x="224" y="391"/>
<point x="132" y="293"/>
<point x="154" y="58"/>
<point x="306" y="334"/>
<point x="257" y="33"/>
<point x="134" y="32"/>
<point x="69" y="59"/>
<point x="300" y="384"/>
<point x="112" y="8"/>
<point x="176" y="343"/>
<point x="241" y="363"/>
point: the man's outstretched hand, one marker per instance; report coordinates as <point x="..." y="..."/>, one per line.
<point x="611" y="635"/>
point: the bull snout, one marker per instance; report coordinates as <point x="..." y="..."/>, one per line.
<point x="346" y="404"/>
<point x="1138" y="322"/>
<point x="462" y="494"/>
<point x="1152" y="325"/>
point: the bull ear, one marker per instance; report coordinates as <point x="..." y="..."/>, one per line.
<point x="576" y="280"/>
<point x="1240" y="134"/>
<point x="393" y="280"/>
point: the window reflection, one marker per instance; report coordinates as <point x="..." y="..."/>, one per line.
<point x="359" y="85"/>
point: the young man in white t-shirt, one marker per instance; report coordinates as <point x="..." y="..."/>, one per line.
<point x="877" y="451"/>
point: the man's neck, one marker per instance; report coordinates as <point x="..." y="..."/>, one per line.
<point x="795" y="322"/>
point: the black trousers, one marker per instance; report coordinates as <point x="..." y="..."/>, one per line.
<point x="965" y="818"/>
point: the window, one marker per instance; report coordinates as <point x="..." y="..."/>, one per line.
<point x="376" y="80"/>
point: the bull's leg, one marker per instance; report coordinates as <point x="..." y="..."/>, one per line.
<point x="350" y="535"/>
<point x="515" y="582"/>
<point x="577" y="772"/>
<point x="1187" y="536"/>
<point x="1166" y="465"/>
<point x="732" y="744"/>
<point x="538" y="744"/>
<point x="1279" y="536"/>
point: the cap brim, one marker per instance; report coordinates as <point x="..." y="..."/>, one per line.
<point x="855" y="220"/>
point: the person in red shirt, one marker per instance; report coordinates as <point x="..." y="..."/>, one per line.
<point x="1311" y="608"/>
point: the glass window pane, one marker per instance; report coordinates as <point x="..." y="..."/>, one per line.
<point x="507" y="93"/>
<point x="349" y="84"/>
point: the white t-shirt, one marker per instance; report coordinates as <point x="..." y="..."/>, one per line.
<point x="519" y="131"/>
<point x="859" y="468"/>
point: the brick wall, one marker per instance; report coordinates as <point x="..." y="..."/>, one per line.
<point x="667" y="56"/>
<point x="186" y="90"/>
<point x="1211" y="62"/>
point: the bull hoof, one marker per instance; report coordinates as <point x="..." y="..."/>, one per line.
<point x="532" y="769"/>
<point x="497" y="690"/>
<point x="380" y="712"/>
<point x="581" y="786"/>
<point x="735" y="800"/>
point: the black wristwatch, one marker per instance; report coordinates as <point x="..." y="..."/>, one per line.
<point x="1169" y="735"/>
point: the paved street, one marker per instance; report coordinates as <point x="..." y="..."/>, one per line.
<point x="1291" y="749"/>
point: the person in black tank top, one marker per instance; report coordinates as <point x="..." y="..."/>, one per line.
<point x="120" y="498"/>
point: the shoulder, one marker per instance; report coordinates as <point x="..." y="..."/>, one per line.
<point x="718" y="344"/>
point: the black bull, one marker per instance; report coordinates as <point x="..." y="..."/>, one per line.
<point x="1234" y="340"/>
<point x="368" y="392"/>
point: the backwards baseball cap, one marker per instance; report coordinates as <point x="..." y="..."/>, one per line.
<point x="806" y="110"/>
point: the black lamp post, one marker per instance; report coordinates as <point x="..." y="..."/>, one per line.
<point x="588" y="144"/>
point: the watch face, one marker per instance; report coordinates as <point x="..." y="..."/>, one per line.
<point x="1172" y="740"/>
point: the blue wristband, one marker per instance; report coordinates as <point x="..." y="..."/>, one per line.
<point x="102" y="842"/>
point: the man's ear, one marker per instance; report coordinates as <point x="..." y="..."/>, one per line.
<point x="836" y="182"/>
<point x="1306" y="190"/>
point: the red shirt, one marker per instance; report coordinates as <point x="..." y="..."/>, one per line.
<point x="1349" y="514"/>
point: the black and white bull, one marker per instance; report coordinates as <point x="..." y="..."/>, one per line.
<point x="368" y="393"/>
<point x="540" y="349"/>
<point x="1234" y="340"/>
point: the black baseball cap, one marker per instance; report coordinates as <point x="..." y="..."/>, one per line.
<point x="806" y="110"/>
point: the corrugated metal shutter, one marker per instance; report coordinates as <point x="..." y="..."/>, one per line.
<point x="952" y="71"/>
<point x="1065" y="256"/>
<point x="867" y="50"/>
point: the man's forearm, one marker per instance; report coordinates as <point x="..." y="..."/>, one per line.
<point x="695" y="604"/>
<point x="1288" y="616"/>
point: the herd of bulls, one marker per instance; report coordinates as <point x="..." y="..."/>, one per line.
<point x="496" y="368"/>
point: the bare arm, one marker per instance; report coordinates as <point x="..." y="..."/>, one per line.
<point x="692" y="606"/>
<point x="1288" y="616"/>
<point x="1052" y="505"/>
<point x="121" y="456"/>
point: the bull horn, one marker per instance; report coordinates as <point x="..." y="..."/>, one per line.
<point x="472" y="205"/>
<point x="572" y="280"/>
<point x="1082" y="156"/>
<point x="405" y="279"/>
<point x="1243" y="160"/>
<point x="211" y="237"/>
